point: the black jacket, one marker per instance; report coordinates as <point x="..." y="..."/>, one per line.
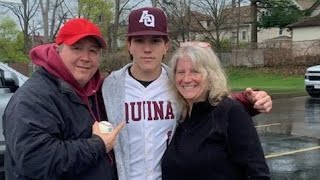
<point x="48" y="134"/>
<point x="218" y="143"/>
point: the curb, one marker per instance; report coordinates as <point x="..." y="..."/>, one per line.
<point x="281" y="95"/>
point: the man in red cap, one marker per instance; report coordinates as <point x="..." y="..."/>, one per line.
<point x="50" y="124"/>
<point x="140" y="93"/>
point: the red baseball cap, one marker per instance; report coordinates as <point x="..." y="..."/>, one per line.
<point x="75" y="29"/>
<point x="147" y="21"/>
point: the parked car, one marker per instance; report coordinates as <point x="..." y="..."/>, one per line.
<point x="312" y="81"/>
<point x="10" y="81"/>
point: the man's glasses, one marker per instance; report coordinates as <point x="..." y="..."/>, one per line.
<point x="196" y="43"/>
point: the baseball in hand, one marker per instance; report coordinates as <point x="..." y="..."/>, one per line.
<point x="105" y="127"/>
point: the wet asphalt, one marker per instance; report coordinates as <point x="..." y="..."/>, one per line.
<point x="290" y="137"/>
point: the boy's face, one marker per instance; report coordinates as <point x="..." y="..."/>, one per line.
<point x="147" y="52"/>
<point x="82" y="59"/>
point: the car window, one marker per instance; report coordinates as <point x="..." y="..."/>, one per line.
<point x="1" y="78"/>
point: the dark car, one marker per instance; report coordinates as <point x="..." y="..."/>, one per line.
<point x="10" y="81"/>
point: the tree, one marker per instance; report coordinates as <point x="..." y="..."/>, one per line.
<point x="11" y="47"/>
<point x="95" y="10"/>
<point x="99" y="11"/>
<point x="202" y="20"/>
<point x="119" y="8"/>
<point x="51" y="24"/>
<point x="154" y="3"/>
<point x="179" y="18"/>
<point x="24" y="12"/>
<point x="279" y="14"/>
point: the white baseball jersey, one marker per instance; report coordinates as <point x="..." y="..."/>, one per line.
<point x="150" y="115"/>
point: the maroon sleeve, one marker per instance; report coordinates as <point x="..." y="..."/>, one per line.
<point x="248" y="106"/>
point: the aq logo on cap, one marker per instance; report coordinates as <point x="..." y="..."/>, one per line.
<point x="147" y="22"/>
<point x="147" y="19"/>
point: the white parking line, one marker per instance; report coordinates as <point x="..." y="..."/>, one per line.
<point x="292" y="152"/>
<point x="267" y="125"/>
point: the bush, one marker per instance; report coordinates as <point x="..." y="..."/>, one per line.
<point x="114" y="61"/>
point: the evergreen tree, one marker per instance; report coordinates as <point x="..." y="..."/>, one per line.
<point x="279" y="13"/>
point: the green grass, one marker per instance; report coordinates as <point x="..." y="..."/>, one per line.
<point x="274" y="83"/>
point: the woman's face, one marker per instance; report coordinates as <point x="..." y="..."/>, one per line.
<point x="190" y="83"/>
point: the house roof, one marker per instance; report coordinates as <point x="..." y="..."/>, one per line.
<point x="283" y="37"/>
<point x="306" y="22"/>
<point x="195" y="20"/>
<point x="305" y="4"/>
<point x="232" y="16"/>
<point x="229" y="17"/>
<point x="315" y="5"/>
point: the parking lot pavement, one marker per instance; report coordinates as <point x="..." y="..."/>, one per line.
<point x="292" y="157"/>
<point x="290" y="138"/>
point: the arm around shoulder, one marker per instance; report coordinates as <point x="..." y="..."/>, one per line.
<point x="242" y="98"/>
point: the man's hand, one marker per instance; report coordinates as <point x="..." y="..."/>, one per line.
<point x="108" y="138"/>
<point x="260" y="99"/>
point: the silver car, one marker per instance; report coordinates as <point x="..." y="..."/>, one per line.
<point x="10" y="81"/>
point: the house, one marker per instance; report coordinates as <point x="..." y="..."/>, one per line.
<point x="304" y="4"/>
<point x="244" y="17"/>
<point x="237" y="22"/>
<point x="306" y="33"/>
<point x="202" y="26"/>
<point x="306" y="29"/>
<point x="307" y="24"/>
<point x="237" y="19"/>
<point x="234" y="23"/>
<point x="315" y="8"/>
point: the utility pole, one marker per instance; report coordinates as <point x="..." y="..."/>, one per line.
<point x="254" y="37"/>
<point x="238" y="22"/>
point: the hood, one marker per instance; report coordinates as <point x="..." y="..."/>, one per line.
<point x="47" y="57"/>
<point x="314" y="68"/>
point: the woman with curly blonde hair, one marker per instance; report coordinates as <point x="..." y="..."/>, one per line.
<point x="216" y="138"/>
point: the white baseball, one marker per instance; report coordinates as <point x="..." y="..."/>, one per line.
<point x="105" y="127"/>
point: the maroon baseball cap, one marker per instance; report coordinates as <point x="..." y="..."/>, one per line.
<point x="147" y="21"/>
<point x="75" y="29"/>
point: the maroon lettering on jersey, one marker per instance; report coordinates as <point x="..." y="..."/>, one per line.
<point x="144" y="110"/>
<point x="158" y="109"/>
<point x="126" y="109"/>
<point x="138" y="108"/>
<point x="149" y="110"/>
<point x="170" y="114"/>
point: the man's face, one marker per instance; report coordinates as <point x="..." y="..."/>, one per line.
<point x="147" y="52"/>
<point x="82" y="59"/>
